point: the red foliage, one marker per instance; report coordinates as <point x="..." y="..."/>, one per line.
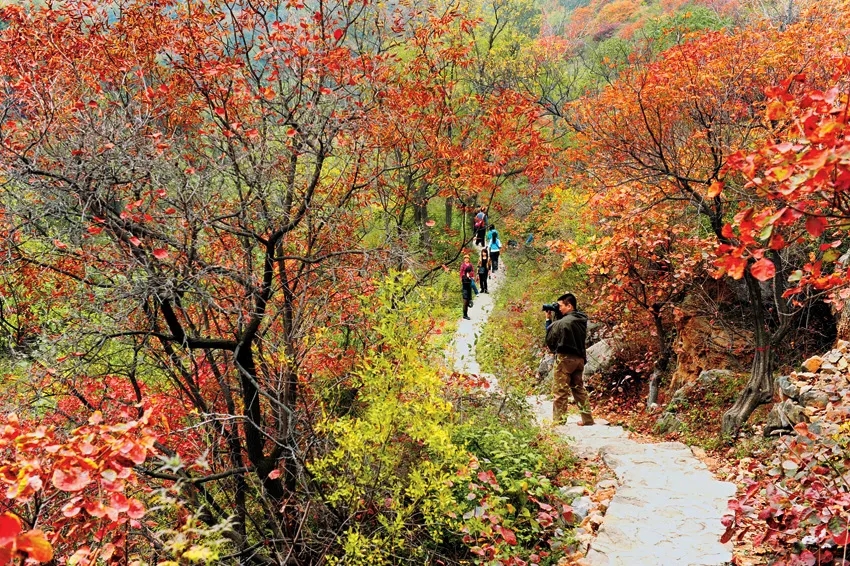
<point x="802" y="173"/>
<point x="73" y="486"/>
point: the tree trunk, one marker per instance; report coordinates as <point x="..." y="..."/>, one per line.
<point x="759" y="389"/>
<point x="450" y="203"/>
<point x="663" y="361"/>
<point x="843" y="323"/>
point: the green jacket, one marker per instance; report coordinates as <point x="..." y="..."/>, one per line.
<point x="567" y="336"/>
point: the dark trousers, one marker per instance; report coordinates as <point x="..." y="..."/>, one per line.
<point x="494" y="261"/>
<point x="482" y="278"/>
<point x="479" y="237"/>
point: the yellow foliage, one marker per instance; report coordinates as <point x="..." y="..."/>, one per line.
<point x="393" y="457"/>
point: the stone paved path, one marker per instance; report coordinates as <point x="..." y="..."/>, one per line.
<point x="668" y="505"/>
<point x="461" y="352"/>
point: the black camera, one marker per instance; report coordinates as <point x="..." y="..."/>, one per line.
<point x="552" y="307"/>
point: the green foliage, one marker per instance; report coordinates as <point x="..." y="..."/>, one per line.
<point x="511" y="509"/>
<point x="700" y="408"/>
<point x="671" y="29"/>
<point x="190" y="541"/>
<point x="194" y="543"/>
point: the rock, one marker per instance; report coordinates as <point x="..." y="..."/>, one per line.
<point x="653" y="408"/>
<point x="573" y="491"/>
<point x="783" y="417"/>
<point x="788" y="389"/>
<point x="703" y="343"/>
<point x="805" y="388"/>
<point x="545" y="367"/>
<point x="607" y="484"/>
<point x="581" y="508"/>
<point x="813" y="364"/>
<point x="842" y="346"/>
<point x="668" y="422"/>
<point x="595" y="520"/>
<point x="842" y="364"/>
<point x="679" y="398"/>
<point x="833" y="356"/>
<point x="604" y="504"/>
<point x="814" y="398"/>
<point x="601" y="356"/>
<point x="711" y="376"/>
<point x="699" y="452"/>
<point x="582" y="535"/>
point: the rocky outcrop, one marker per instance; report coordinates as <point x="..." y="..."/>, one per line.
<point x="810" y="395"/>
<point x="601" y="356"/>
<point x="668" y="421"/>
<point x="703" y="345"/>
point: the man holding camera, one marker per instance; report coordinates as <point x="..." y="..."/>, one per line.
<point x="565" y="337"/>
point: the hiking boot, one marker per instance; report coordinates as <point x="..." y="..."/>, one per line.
<point x="466" y="317"/>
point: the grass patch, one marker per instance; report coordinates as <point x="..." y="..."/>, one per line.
<point x="512" y="342"/>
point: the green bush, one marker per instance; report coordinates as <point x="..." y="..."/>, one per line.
<point x="512" y="512"/>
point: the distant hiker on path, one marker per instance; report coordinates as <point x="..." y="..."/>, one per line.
<point x="483" y="270"/>
<point x="466" y="287"/>
<point x="565" y="338"/>
<point x="463" y="266"/>
<point x="480" y="226"/>
<point x="495" y="246"/>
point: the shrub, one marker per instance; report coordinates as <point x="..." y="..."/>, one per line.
<point x="511" y="510"/>
<point x="799" y="499"/>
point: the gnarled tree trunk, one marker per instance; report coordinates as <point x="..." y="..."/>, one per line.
<point x="759" y="389"/>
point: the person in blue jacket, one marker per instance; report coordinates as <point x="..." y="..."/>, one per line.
<point x="495" y="246"/>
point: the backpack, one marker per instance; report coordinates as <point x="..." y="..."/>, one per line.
<point x="479" y="223"/>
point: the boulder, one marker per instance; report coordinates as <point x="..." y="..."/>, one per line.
<point x="783" y="417"/>
<point x="814" y="398"/>
<point x="703" y="344"/>
<point x="813" y="364"/>
<point x="668" y="422"/>
<point x="581" y="507"/>
<point x="787" y="387"/>
<point x="712" y="376"/>
<point x="545" y="367"/>
<point x="678" y="400"/>
<point x="601" y="356"/>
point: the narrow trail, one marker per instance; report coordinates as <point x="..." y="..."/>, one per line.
<point x="668" y="505"/>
